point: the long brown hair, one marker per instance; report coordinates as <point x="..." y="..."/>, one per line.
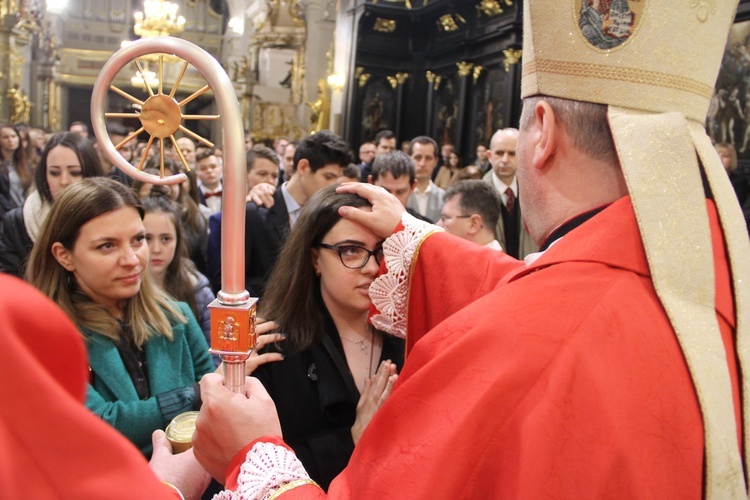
<point x="180" y="273"/>
<point x="90" y="164"/>
<point x="292" y="297"/>
<point x="149" y="311"/>
<point x="19" y="159"/>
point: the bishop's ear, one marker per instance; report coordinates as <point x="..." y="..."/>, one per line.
<point x="62" y="256"/>
<point x="546" y="133"/>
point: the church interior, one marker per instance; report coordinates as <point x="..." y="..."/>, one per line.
<point x="449" y="69"/>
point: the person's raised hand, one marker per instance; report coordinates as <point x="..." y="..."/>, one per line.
<point x="262" y="194"/>
<point x="229" y="421"/>
<point x="181" y="470"/>
<point x="377" y="390"/>
<point x="264" y="338"/>
<point x="386" y="209"/>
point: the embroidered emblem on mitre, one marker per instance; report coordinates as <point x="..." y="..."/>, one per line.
<point x="603" y="51"/>
<point x="606" y="24"/>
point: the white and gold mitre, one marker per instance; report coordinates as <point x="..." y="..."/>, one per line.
<point x="654" y="64"/>
<point x="649" y="55"/>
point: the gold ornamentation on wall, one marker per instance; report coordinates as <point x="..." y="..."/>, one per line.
<point x="274" y="39"/>
<point x="398" y="79"/>
<point x="271" y="120"/>
<point x="464" y="68"/>
<point x="361" y="76"/>
<point x="512" y="56"/>
<point x="21" y="105"/>
<point x="320" y="109"/>
<point x="54" y="112"/>
<point x="384" y="25"/>
<point x="449" y="22"/>
<point x="295" y="10"/>
<point x="433" y="79"/>
<point x="491" y="8"/>
<point x="477" y="73"/>
<point x="8" y="7"/>
<point x="16" y="65"/>
<point x="407" y="2"/>
<point x="298" y="76"/>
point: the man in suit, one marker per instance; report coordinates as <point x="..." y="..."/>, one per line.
<point x="471" y="211"/>
<point x="385" y="142"/>
<point x="366" y="155"/>
<point x="427" y="199"/>
<point x="394" y="172"/>
<point x="508" y="231"/>
<point x="262" y="165"/>
<point x="210" y="173"/>
<point x="319" y="162"/>
<point x="482" y="160"/>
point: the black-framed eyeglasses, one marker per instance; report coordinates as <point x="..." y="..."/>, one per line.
<point x="355" y="256"/>
<point x="444" y="218"/>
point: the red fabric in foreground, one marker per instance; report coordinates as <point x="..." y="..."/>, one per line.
<point x="51" y="446"/>
<point x="565" y="381"/>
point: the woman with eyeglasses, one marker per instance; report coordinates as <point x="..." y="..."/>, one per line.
<point x="337" y="369"/>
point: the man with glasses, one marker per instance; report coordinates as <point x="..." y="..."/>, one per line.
<point x="471" y="211"/>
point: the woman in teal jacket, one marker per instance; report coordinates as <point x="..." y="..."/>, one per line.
<point x="146" y="352"/>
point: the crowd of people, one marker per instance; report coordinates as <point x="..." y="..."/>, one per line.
<point x="419" y="335"/>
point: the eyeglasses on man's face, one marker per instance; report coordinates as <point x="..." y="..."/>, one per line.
<point x="355" y="256"/>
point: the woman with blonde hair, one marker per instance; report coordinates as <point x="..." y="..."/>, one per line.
<point x="146" y="353"/>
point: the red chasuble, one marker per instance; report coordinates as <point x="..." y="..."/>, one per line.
<point x="564" y="381"/>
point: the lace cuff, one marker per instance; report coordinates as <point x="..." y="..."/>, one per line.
<point x="268" y="471"/>
<point x="389" y="292"/>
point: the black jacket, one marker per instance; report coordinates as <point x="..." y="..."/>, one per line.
<point x="317" y="401"/>
<point x="15" y="243"/>
<point x="266" y="230"/>
<point x="6" y="202"/>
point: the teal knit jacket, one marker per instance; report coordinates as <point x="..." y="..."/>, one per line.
<point x="174" y="367"/>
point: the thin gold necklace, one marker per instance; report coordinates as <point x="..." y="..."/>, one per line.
<point x="362" y="344"/>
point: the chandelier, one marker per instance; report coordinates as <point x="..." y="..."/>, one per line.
<point x="142" y="78"/>
<point x="159" y="18"/>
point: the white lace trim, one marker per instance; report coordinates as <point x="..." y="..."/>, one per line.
<point x="267" y="468"/>
<point x="389" y="292"/>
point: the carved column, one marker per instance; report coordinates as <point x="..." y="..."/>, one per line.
<point x="320" y="18"/>
<point x="433" y="84"/>
<point x="464" y="79"/>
